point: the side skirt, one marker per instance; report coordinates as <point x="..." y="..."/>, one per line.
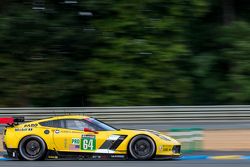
<point x="53" y="154"/>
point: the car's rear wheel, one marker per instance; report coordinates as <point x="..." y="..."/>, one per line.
<point x="32" y="148"/>
<point x="142" y="147"/>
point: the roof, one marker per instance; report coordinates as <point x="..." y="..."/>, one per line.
<point x="64" y="117"/>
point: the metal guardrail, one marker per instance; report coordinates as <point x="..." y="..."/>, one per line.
<point x="141" y="114"/>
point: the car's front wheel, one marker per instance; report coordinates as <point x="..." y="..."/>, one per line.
<point x="142" y="147"/>
<point x="32" y="148"/>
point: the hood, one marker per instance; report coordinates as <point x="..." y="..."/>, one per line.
<point x="156" y="133"/>
<point x="159" y="134"/>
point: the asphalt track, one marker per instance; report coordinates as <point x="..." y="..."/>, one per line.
<point x="197" y="159"/>
<point x="181" y="163"/>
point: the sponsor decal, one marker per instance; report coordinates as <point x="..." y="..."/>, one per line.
<point x="69" y="131"/>
<point x="117" y="156"/>
<point x="57" y="131"/>
<point x="46" y="132"/>
<point x="76" y="141"/>
<point x="161" y="148"/>
<point x="165" y="148"/>
<point x="52" y="157"/>
<point x="30" y="125"/>
<point x="96" y="156"/>
<point x="108" y="156"/>
<point x="88" y="142"/>
<point x="89" y="136"/>
<point x="100" y="157"/>
<point x="65" y="143"/>
<point x="74" y="147"/>
<point x="23" y="129"/>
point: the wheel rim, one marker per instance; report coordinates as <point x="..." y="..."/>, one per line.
<point x="142" y="148"/>
<point x="33" y="148"/>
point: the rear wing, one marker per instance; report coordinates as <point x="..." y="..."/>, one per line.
<point x="10" y="121"/>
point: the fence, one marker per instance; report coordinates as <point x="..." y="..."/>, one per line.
<point x="141" y="114"/>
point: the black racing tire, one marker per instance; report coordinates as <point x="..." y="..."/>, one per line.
<point x="142" y="147"/>
<point x="32" y="148"/>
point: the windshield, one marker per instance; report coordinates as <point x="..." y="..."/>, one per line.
<point x="101" y="126"/>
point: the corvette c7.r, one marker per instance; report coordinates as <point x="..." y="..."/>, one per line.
<point x="82" y="137"/>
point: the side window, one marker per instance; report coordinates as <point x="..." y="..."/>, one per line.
<point x="77" y="124"/>
<point x="54" y="124"/>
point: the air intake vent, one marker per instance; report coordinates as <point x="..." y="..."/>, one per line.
<point x="176" y="149"/>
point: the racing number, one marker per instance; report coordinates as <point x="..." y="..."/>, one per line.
<point x="88" y="143"/>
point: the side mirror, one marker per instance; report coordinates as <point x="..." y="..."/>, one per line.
<point x="89" y="130"/>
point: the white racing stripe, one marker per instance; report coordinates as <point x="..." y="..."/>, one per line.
<point x="113" y="137"/>
<point x="107" y="151"/>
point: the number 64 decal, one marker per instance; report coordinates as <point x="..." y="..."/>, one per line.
<point x="88" y="143"/>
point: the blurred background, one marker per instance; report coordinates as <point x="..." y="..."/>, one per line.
<point x="84" y="53"/>
<point x="120" y="53"/>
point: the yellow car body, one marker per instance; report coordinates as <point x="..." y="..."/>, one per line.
<point x="63" y="138"/>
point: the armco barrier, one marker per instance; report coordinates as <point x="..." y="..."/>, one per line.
<point x="142" y="114"/>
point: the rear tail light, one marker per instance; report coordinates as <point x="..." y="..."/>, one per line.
<point x="10" y="121"/>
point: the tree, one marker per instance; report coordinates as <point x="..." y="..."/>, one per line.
<point x="106" y="53"/>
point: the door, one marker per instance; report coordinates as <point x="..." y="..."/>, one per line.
<point x="72" y="137"/>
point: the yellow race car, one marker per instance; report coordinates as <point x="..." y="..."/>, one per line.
<point x="82" y="137"/>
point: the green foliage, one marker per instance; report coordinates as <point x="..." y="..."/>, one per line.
<point x="119" y="53"/>
<point x="236" y="52"/>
